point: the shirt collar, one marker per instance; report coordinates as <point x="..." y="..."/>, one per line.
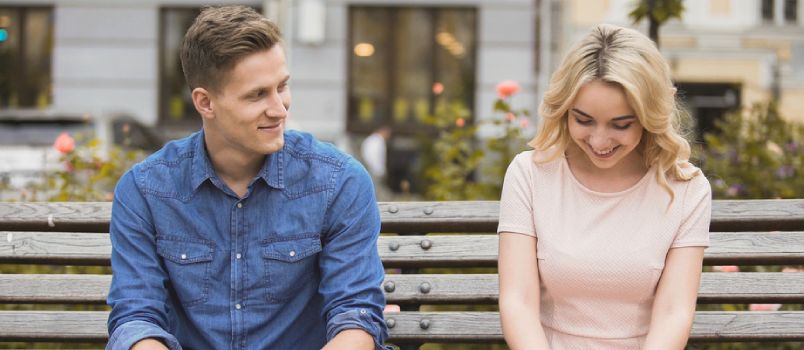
<point x="271" y="172"/>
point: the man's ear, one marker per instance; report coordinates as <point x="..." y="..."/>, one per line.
<point x="203" y="102"/>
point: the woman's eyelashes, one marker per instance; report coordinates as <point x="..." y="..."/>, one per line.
<point x="587" y="122"/>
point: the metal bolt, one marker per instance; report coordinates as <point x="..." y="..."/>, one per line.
<point x="389" y="286"/>
<point x="394" y="246"/>
<point x="424" y="287"/>
<point x="390" y="322"/>
<point x="428" y="211"/>
<point x="424" y="324"/>
<point x="393" y="209"/>
<point x="426" y="244"/>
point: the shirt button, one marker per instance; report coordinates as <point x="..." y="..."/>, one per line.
<point x="362" y="311"/>
<point x="239" y="205"/>
<point x="184" y="256"/>
<point x="238" y="306"/>
<point x="292" y="253"/>
<point x="238" y="256"/>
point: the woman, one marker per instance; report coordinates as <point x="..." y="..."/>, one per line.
<point x="603" y="225"/>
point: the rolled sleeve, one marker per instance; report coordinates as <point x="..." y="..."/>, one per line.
<point x="351" y="270"/>
<point x="137" y="294"/>
<point x="129" y="333"/>
<point x="356" y="319"/>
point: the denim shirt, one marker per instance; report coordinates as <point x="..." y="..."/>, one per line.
<point x="287" y="266"/>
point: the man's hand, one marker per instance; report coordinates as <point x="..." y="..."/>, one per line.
<point x="351" y="339"/>
<point x="149" y="344"/>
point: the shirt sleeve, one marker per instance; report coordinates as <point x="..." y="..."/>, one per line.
<point x="351" y="270"/>
<point x="516" y="208"/>
<point x="137" y="294"/>
<point x="129" y="333"/>
<point x="697" y="209"/>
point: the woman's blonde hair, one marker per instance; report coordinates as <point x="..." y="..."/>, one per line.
<point x="629" y="59"/>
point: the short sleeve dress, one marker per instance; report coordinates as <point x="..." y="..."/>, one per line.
<point x="600" y="255"/>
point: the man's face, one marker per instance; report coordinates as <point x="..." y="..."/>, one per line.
<point x="250" y="109"/>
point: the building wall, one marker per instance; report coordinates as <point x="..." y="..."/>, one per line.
<point x="106" y="57"/>
<point x="505" y="50"/>
<point x="718" y="41"/>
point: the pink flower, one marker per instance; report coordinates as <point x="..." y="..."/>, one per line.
<point x="460" y="122"/>
<point x="523" y="123"/>
<point x="507" y="88"/>
<point x="64" y="143"/>
<point x="438" y="88"/>
<point x="727" y="268"/>
<point x="391" y="308"/>
<point x="510" y="116"/>
<point x="764" y="307"/>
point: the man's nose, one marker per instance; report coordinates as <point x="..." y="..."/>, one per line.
<point x="276" y="107"/>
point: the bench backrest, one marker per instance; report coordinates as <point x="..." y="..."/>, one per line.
<point x="421" y="238"/>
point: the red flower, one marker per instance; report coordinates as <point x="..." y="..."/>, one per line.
<point x="727" y="268"/>
<point x="460" y="122"/>
<point x="438" y="88"/>
<point x="764" y="307"/>
<point x="64" y="143"/>
<point x="507" y="88"/>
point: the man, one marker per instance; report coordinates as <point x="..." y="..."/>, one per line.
<point x="373" y="151"/>
<point x="244" y="235"/>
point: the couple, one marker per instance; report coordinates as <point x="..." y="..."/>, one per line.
<point x="248" y="236"/>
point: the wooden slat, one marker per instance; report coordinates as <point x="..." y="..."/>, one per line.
<point x="56" y="216"/>
<point x="54" y="289"/>
<point x="61" y="248"/>
<point x="408" y="217"/>
<point x="743" y="248"/>
<point x="708" y="326"/>
<point x="716" y="287"/>
<point x="90" y="326"/>
<point x="55" y="326"/>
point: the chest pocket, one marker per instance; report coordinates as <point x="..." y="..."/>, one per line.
<point x="188" y="264"/>
<point x="290" y="265"/>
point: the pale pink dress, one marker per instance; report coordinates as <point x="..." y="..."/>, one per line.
<point x="600" y="255"/>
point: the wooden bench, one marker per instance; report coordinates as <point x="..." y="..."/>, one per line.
<point x="744" y="232"/>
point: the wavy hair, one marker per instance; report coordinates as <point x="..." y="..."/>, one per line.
<point x="629" y="59"/>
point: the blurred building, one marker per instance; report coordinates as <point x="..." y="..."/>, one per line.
<point x="355" y="64"/>
<point x="724" y="53"/>
<point x="359" y="64"/>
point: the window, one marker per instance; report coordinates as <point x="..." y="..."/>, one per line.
<point x="708" y="102"/>
<point x="398" y="57"/>
<point x="790" y="11"/>
<point x="175" y="103"/>
<point x="767" y="10"/>
<point x="26" y="47"/>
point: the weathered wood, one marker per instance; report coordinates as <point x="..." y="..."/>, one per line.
<point x="743" y="248"/>
<point x="716" y="287"/>
<point x="454" y="327"/>
<point x="408" y="217"/>
<point x="55" y="326"/>
<point x="55" y="216"/>
<point x="54" y="289"/>
<point x="62" y="248"/>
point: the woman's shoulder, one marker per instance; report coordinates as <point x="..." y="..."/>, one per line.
<point x="693" y="178"/>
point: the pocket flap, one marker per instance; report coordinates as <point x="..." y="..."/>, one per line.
<point x="292" y="250"/>
<point x="184" y="252"/>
